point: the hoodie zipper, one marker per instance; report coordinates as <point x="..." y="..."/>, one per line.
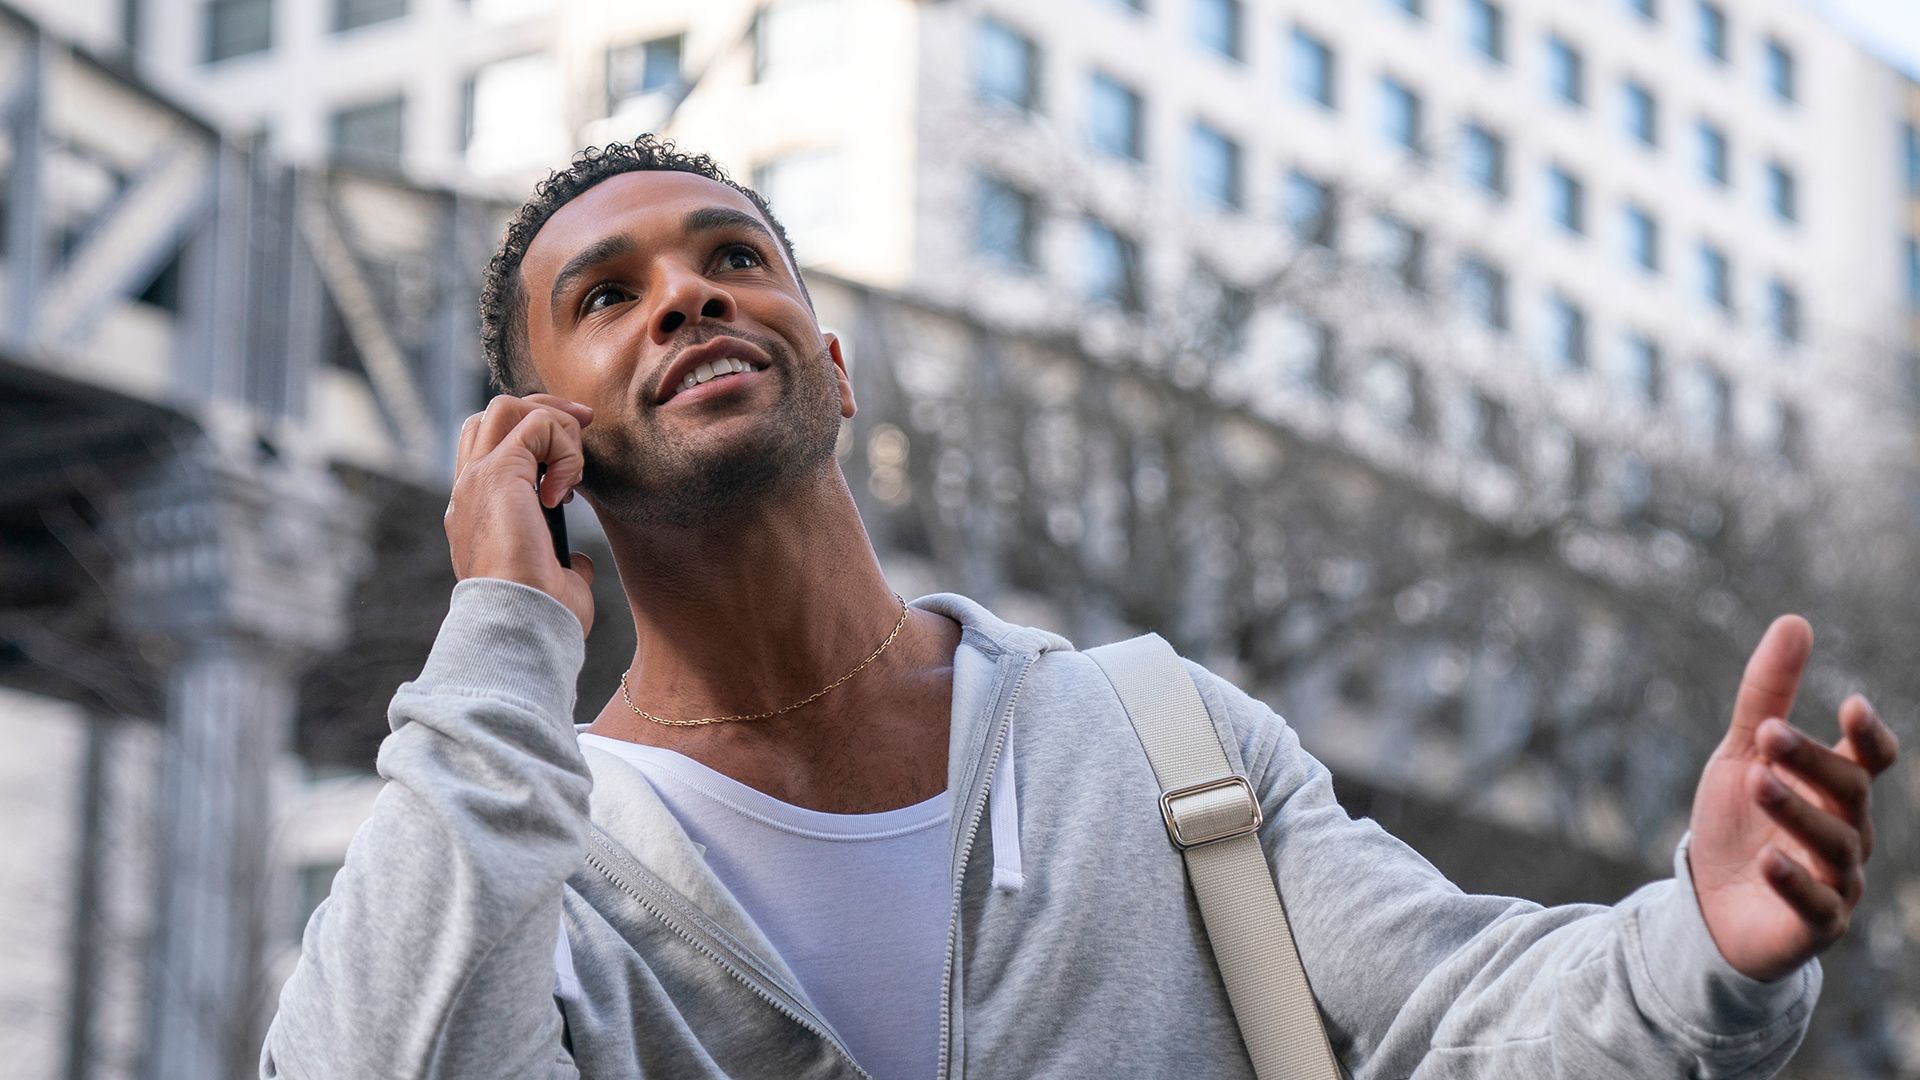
<point x="715" y="951"/>
<point x="979" y="806"/>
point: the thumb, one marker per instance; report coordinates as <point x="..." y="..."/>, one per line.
<point x="1771" y="681"/>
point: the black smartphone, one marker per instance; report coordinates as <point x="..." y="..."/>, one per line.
<point x="556" y="523"/>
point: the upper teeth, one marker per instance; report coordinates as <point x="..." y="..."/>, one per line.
<point x="726" y="365"/>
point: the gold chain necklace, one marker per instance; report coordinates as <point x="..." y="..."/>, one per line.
<point x="815" y="696"/>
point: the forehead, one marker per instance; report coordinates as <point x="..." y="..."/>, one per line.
<point x="647" y="205"/>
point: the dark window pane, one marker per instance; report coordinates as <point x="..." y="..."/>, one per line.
<point x="1006" y="65"/>
<point x="238" y="27"/>
<point x="1114" y="118"/>
<point x="638" y="68"/>
<point x="348" y="14"/>
<point x="370" y="134"/>
<point x="1313" y="68"/>
<point x="1005" y="223"/>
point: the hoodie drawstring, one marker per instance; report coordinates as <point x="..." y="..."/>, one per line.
<point x="1003" y="807"/>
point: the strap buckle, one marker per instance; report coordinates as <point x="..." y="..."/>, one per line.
<point x="1209" y="813"/>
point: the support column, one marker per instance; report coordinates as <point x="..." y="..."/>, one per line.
<point x="234" y="572"/>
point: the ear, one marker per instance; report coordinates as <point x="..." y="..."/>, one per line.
<point x="840" y="365"/>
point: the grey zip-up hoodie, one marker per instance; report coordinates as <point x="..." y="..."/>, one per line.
<point x="435" y="954"/>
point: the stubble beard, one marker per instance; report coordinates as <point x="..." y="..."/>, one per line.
<point x="643" y="478"/>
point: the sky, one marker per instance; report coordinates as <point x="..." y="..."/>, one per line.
<point x="1889" y="28"/>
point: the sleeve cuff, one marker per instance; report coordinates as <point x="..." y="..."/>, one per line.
<point x="504" y="638"/>
<point x="1695" y="980"/>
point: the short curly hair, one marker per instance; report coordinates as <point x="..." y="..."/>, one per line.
<point x="503" y="294"/>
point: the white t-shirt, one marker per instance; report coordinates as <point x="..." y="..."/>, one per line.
<point x="856" y="904"/>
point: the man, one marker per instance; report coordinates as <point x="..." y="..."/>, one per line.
<point x="820" y="832"/>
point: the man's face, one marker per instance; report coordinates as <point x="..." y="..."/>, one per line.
<point x="627" y="286"/>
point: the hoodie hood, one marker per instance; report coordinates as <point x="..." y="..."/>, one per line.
<point x="986" y="640"/>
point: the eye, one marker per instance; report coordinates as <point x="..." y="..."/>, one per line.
<point x="739" y="257"/>
<point x="592" y="301"/>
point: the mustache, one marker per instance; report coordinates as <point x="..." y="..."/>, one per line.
<point x="776" y="351"/>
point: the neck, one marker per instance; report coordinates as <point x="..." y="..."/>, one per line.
<point x="753" y="613"/>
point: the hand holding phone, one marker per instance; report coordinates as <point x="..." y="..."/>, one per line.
<point x="516" y="464"/>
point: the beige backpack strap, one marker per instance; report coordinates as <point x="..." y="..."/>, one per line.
<point x="1213" y="816"/>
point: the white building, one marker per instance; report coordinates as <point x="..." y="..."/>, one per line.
<point x="1678" y="216"/>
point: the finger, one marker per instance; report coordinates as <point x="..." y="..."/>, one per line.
<point x="1865" y="738"/>
<point x="581" y="413"/>
<point x="583" y="566"/>
<point x="1818" y="904"/>
<point x="463" y="453"/>
<point x="1827" y="838"/>
<point x="1771" y="679"/>
<point x="551" y="437"/>
<point x="1839" y="780"/>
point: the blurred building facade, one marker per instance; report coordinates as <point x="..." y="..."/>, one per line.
<point x="1460" y="272"/>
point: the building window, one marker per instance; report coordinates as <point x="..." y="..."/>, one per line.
<point x="1227" y="309"/>
<point x="1483" y="157"/>
<point x="1783" y="311"/>
<point x="1402" y="252"/>
<point x="1643" y="113"/>
<point x="1006" y="223"/>
<point x="369" y="134"/>
<point x="1487" y="29"/>
<point x="1911" y="139"/>
<point x="1388" y="388"/>
<point x="1006" y="65"/>
<point x="1567" y="200"/>
<point x="238" y="27"/>
<point x="1709" y="404"/>
<point x="1489" y="427"/>
<point x="1913" y="273"/>
<point x="1313" y="68"/>
<point x="1214" y="167"/>
<point x="1646" y="9"/>
<point x="1216" y="26"/>
<point x="1114" y="124"/>
<point x="1400" y="114"/>
<point x="1780" y="73"/>
<point x="1483" y="292"/>
<point x="1716" y="277"/>
<point x="1640" y="369"/>
<point x="791" y="37"/>
<point x="351" y="14"/>
<point x="1112" y="267"/>
<point x="1566" y="71"/>
<point x="1311" y="210"/>
<point x="804" y="188"/>
<point x="1643" y="239"/>
<point x="514" y="117"/>
<point x="1782" y="192"/>
<point x="1713" y="30"/>
<point x="639" y="68"/>
<point x="1308" y="351"/>
<point x="1713" y="155"/>
<point x="1566" y="333"/>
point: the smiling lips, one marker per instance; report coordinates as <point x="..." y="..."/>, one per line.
<point x="724" y="360"/>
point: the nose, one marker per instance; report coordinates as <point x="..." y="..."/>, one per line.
<point x="684" y="298"/>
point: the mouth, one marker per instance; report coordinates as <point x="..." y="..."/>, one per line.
<point x="730" y="361"/>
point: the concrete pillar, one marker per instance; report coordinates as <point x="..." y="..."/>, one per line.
<point x="234" y="573"/>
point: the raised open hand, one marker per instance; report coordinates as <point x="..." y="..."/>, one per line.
<point x="1782" y="826"/>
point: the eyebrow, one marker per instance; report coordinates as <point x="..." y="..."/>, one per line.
<point x="705" y="219"/>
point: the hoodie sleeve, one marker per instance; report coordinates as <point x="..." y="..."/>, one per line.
<point x="434" y="954"/>
<point x="1418" y="979"/>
